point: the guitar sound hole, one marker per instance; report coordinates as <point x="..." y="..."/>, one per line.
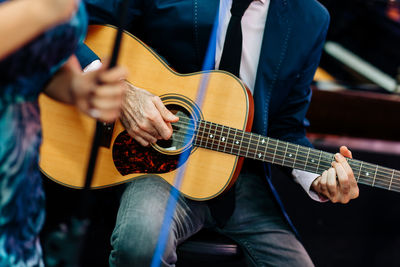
<point x="183" y="130"/>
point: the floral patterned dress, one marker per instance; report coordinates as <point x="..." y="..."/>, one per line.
<point x="22" y="76"/>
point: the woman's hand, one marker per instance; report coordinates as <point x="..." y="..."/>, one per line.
<point x="97" y="93"/>
<point x="100" y="93"/>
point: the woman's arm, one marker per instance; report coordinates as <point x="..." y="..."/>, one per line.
<point x="22" y="20"/>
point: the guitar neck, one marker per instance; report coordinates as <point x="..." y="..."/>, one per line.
<point x="249" y="145"/>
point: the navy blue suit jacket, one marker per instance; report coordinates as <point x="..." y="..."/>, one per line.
<point x="295" y="31"/>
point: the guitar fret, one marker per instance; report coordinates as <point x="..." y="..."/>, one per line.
<point x="368" y="175"/>
<point x="284" y="154"/>
<point x="274" y="153"/>
<point x="248" y="145"/>
<point x="234" y="142"/>
<point x="214" y="137"/>
<point x="295" y="156"/>
<point x="319" y="161"/>
<point x="254" y="146"/>
<point x="303" y="153"/>
<point x="391" y="180"/>
<point x="359" y="172"/>
<point x="383" y="175"/>
<point x="240" y="144"/>
<point x="208" y="134"/>
<point x="227" y="138"/>
<point x="220" y="136"/>
<point x="280" y="153"/>
<point x="376" y="170"/>
<point x="266" y="148"/>
<point x="290" y="155"/>
<point x="313" y="161"/>
<point x="306" y="164"/>
<point x="202" y="133"/>
<point x="257" y="153"/>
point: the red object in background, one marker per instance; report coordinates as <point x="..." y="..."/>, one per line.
<point x="393" y="10"/>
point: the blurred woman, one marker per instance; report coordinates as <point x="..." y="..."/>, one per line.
<point x="39" y="38"/>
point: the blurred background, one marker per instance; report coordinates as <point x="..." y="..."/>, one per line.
<point x="356" y="102"/>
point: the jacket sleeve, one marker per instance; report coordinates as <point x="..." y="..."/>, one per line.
<point x="85" y="55"/>
<point x="106" y="12"/>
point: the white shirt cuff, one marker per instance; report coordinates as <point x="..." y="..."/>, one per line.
<point x="95" y="65"/>
<point x="305" y="179"/>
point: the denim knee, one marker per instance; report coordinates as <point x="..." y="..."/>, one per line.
<point x="137" y="229"/>
<point x="135" y="247"/>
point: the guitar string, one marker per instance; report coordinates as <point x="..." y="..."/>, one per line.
<point x="394" y="185"/>
<point x="317" y="153"/>
<point x="378" y="178"/>
<point x="372" y="167"/>
<point x="316" y="168"/>
<point x="368" y="166"/>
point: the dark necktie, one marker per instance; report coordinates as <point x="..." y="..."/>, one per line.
<point x="222" y="206"/>
<point x="232" y="51"/>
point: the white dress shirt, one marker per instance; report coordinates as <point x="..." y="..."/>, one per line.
<point x="253" y="25"/>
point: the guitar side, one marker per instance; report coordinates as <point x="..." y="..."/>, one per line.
<point x="67" y="134"/>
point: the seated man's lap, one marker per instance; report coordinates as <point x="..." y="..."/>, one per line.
<point x="256" y="224"/>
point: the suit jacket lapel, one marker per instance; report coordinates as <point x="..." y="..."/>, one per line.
<point x="273" y="52"/>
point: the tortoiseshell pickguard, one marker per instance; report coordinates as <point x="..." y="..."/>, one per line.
<point x="130" y="157"/>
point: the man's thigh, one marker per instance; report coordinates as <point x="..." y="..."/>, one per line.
<point x="259" y="227"/>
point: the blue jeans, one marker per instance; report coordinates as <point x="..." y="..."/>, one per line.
<point x="256" y="224"/>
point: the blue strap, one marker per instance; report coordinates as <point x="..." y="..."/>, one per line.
<point x="174" y="194"/>
<point x="276" y="195"/>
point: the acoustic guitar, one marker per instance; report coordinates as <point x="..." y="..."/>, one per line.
<point x="214" y="135"/>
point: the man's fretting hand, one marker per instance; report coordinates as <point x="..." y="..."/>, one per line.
<point x="338" y="183"/>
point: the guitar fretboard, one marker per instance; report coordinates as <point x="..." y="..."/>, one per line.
<point x="237" y="142"/>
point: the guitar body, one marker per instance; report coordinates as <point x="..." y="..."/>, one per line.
<point x="67" y="133"/>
